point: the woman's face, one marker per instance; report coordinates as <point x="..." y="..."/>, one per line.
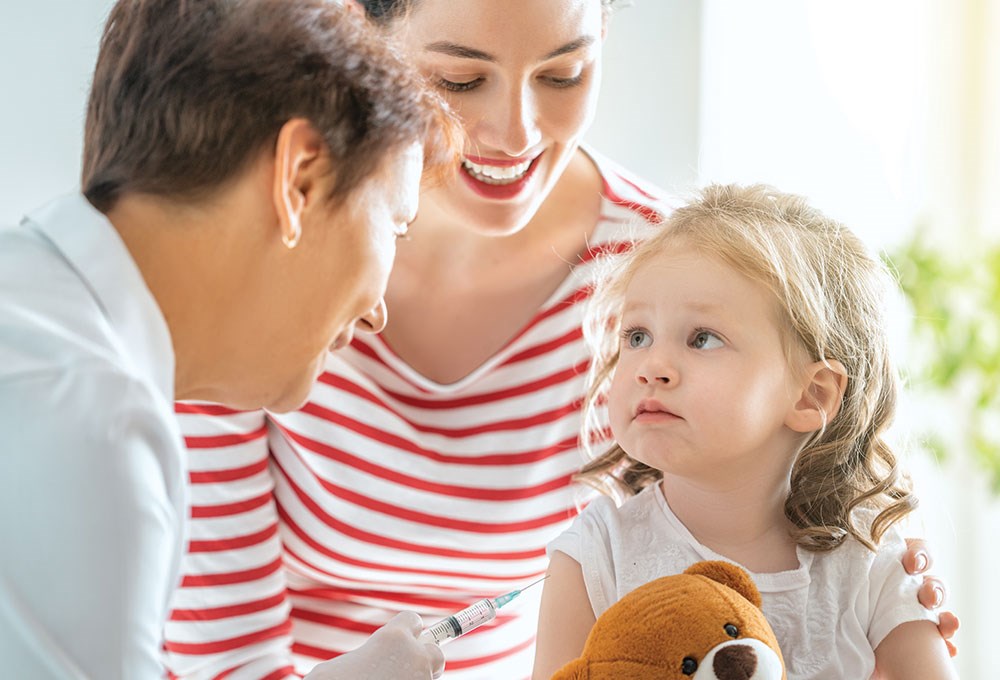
<point x="523" y="75"/>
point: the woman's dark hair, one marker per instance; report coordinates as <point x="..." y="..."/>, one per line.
<point x="387" y="11"/>
<point x="186" y="93"/>
<point x="384" y="11"/>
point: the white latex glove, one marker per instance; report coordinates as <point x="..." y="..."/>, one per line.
<point x="391" y="653"/>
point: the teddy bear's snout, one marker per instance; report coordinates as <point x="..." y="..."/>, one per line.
<point x="738" y="662"/>
<point x="743" y="659"/>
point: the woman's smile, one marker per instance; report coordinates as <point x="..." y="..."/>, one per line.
<point x="498" y="179"/>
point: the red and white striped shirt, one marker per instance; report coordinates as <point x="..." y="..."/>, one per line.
<point x="387" y="491"/>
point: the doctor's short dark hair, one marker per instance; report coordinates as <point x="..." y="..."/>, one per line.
<point x="187" y="93"/>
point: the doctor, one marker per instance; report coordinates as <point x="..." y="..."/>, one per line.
<point x="247" y="169"/>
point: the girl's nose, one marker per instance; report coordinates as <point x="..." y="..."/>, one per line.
<point x="645" y="379"/>
<point x="657" y="369"/>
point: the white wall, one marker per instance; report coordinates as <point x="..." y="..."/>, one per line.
<point x="47" y="53"/>
<point x="818" y="98"/>
<point x="647" y="119"/>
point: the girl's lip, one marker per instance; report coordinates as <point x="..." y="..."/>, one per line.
<point x="656" y="417"/>
<point x="653" y="408"/>
<point x="499" y="192"/>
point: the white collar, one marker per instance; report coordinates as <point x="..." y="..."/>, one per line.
<point x="96" y="253"/>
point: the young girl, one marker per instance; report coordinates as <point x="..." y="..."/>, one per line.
<point x="749" y="387"/>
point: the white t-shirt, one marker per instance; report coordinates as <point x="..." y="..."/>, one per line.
<point x="828" y="615"/>
<point x="92" y="471"/>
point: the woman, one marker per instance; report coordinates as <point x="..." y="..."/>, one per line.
<point x="431" y="464"/>
<point x="240" y="154"/>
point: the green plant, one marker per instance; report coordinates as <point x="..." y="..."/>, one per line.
<point x="954" y="292"/>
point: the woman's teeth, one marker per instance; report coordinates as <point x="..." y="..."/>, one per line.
<point x="493" y="174"/>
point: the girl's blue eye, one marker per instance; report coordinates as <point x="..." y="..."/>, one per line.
<point x="637" y="338"/>
<point x="706" y="340"/>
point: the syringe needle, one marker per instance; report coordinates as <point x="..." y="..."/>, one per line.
<point x="533" y="583"/>
<point x="501" y="600"/>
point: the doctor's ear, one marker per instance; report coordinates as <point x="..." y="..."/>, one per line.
<point x="822" y="390"/>
<point x="297" y="152"/>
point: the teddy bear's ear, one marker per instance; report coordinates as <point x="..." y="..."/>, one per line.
<point x="577" y="669"/>
<point x="728" y="574"/>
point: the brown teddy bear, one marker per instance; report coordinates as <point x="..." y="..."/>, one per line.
<point x="704" y="624"/>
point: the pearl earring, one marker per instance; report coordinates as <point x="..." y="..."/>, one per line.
<point x="291" y="239"/>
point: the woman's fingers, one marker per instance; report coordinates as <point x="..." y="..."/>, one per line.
<point x="948" y="626"/>
<point x="918" y="558"/>
<point x="932" y="592"/>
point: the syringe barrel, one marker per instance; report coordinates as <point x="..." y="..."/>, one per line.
<point x="461" y="622"/>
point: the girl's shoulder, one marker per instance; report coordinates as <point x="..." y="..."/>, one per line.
<point x="606" y="511"/>
<point x="853" y="559"/>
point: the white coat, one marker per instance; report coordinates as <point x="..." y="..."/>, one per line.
<point x="92" y="467"/>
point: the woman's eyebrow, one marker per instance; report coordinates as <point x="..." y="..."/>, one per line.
<point x="461" y="51"/>
<point x="452" y="49"/>
<point x="571" y="46"/>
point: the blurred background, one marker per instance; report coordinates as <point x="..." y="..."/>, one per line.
<point x="886" y="113"/>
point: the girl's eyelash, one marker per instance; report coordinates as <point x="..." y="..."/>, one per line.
<point x="627" y="331"/>
<point x="452" y="86"/>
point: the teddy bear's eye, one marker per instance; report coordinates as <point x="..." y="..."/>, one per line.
<point x="688" y="666"/>
<point x="731" y="630"/>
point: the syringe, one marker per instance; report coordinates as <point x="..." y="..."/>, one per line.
<point x="470" y="618"/>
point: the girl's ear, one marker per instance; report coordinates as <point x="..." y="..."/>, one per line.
<point x="823" y="386"/>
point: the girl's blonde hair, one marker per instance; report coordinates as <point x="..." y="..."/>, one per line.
<point x="831" y="293"/>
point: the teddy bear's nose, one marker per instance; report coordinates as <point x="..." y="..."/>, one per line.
<point x="735" y="662"/>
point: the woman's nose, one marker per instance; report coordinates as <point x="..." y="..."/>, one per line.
<point x="374" y="320"/>
<point x="514" y="123"/>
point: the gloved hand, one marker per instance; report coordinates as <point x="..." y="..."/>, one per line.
<point x="391" y="653"/>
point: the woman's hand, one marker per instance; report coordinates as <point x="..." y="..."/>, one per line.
<point x="931" y="595"/>
<point x="391" y="653"/>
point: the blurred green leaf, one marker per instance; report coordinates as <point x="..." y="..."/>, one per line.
<point x="955" y="298"/>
